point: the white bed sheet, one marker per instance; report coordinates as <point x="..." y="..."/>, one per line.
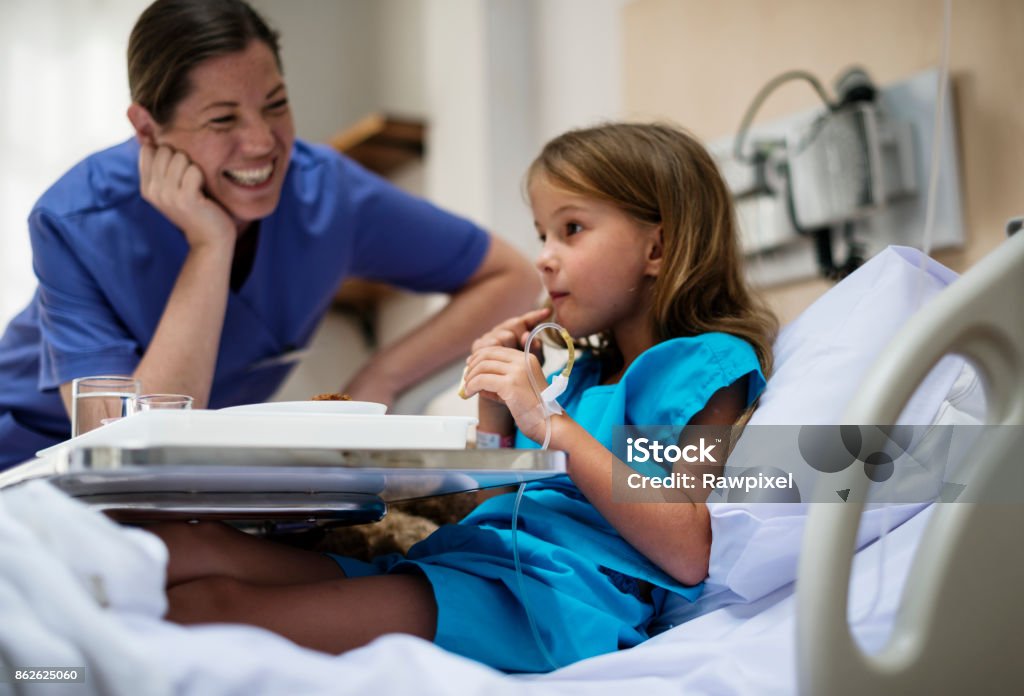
<point x="57" y="568"/>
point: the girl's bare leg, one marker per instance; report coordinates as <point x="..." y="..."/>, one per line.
<point x="332" y="616"/>
<point x="215" y="549"/>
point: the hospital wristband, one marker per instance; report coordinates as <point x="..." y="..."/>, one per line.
<point x="486" y="440"/>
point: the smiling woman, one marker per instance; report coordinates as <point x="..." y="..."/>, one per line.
<point x="234" y="131"/>
<point x="231" y="120"/>
<point x="197" y="253"/>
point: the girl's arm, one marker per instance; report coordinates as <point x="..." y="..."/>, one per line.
<point x="504" y="284"/>
<point x="675" y="536"/>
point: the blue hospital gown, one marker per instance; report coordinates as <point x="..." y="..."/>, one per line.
<point x="584" y="583"/>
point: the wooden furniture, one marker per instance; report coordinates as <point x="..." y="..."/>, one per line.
<point x="383" y="144"/>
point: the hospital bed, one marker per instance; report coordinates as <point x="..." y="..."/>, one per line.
<point x="759" y="633"/>
<point x="953" y="633"/>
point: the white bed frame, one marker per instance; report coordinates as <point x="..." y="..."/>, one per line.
<point x="959" y="623"/>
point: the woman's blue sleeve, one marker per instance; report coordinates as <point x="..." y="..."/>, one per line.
<point x="406" y="241"/>
<point x="80" y="333"/>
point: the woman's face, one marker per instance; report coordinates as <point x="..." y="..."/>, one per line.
<point x="236" y="126"/>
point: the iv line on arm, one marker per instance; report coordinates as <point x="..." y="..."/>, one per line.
<point x="549" y="397"/>
<point x="549" y="404"/>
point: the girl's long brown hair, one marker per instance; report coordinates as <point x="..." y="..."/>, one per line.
<point x="659" y="174"/>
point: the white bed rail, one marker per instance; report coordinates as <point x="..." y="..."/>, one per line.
<point x="958" y="626"/>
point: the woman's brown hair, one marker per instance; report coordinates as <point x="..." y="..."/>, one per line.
<point x="661" y="175"/>
<point x="173" y="36"/>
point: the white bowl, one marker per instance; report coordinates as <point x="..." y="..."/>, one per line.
<point x="365" y="408"/>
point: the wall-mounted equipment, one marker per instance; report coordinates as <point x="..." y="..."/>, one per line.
<point x="819" y="192"/>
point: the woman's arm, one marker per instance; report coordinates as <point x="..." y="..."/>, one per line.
<point x="676" y="536"/>
<point x="504" y="284"/>
<point x="183" y="353"/>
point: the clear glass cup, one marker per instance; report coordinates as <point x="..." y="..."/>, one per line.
<point x="154" y="402"/>
<point x="101" y="398"/>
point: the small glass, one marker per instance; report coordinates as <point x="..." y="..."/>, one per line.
<point x="100" y="398"/>
<point x="154" y="402"/>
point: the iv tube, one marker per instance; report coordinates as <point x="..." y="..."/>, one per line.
<point x="522" y="486"/>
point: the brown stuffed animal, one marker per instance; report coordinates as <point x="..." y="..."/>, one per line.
<point x="405" y="524"/>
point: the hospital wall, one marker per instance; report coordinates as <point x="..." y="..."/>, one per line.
<point x="700" y="64"/>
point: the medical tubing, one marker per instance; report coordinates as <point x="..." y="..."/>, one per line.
<point x="533" y="380"/>
<point x="886" y="527"/>
<point x="748" y="117"/>
<point x="522" y="486"/>
<point x="937" y="128"/>
<point x="519" y="582"/>
<point x="926" y="247"/>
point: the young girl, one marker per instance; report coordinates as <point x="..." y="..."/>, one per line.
<point x="640" y="251"/>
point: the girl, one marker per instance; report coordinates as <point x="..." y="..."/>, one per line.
<point x="640" y="252"/>
<point x="201" y="254"/>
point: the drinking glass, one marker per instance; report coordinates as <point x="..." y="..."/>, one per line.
<point x="153" y="402"/>
<point x="100" y="398"/>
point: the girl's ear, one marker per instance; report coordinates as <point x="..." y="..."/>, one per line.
<point x="655" y="252"/>
<point x="144" y="124"/>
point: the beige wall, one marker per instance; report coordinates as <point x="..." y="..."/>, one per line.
<point x="700" y="62"/>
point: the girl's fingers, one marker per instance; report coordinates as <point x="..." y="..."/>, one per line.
<point x="531" y="321"/>
<point x="481" y="384"/>
<point x="535" y="316"/>
<point x="495" y="353"/>
<point x="525" y="322"/>
<point x="509" y="332"/>
<point x="496" y="363"/>
<point x="493" y="367"/>
<point x="485" y="341"/>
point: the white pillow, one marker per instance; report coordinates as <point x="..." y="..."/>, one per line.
<point x="820" y="360"/>
<point x="822" y="356"/>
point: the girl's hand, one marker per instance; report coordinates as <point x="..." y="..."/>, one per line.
<point x="174" y="185"/>
<point x="512" y="333"/>
<point x="500" y="374"/>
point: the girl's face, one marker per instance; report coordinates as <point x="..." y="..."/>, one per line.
<point x="236" y="126"/>
<point x="597" y="263"/>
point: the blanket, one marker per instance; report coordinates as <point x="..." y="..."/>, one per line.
<point x="76" y="590"/>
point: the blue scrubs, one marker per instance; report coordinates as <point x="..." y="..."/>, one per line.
<point x="106" y="262"/>
<point x="587" y="588"/>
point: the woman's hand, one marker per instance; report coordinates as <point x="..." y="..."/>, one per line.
<point x="174" y="185"/>
<point x="501" y="374"/>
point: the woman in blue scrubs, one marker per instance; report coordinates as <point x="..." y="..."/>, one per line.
<point x="198" y="253"/>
